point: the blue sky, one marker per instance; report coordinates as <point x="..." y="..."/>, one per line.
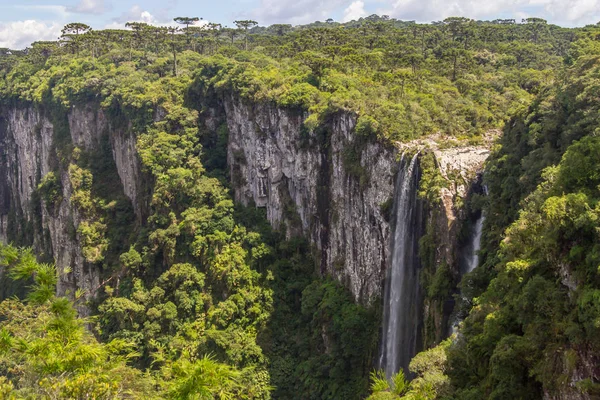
<point x="25" y="21"/>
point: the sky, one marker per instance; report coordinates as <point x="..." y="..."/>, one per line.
<point x="25" y="21"/>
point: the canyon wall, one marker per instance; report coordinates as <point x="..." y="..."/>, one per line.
<point x="33" y="143"/>
<point x="337" y="187"/>
<point x="304" y="183"/>
<point x="330" y="184"/>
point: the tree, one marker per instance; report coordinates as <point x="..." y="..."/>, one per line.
<point x="75" y="28"/>
<point x="174" y="44"/>
<point x="187" y="21"/>
<point x="215" y="31"/>
<point x="141" y="33"/>
<point x="231" y="33"/>
<point x="536" y="26"/>
<point x="281" y="29"/>
<point x="70" y="34"/>
<point x="203" y="379"/>
<point x="245" y="24"/>
<point x="46" y="352"/>
<point x="41" y="51"/>
<point x="315" y="61"/>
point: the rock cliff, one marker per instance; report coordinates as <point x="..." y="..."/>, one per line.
<point x="331" y="184"/>
<point x="336" y="187"/>
<point x="302" y="176"/>
<point x="30" y="143"/>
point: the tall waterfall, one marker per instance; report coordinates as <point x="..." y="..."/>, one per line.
<point x="402" y="303"/>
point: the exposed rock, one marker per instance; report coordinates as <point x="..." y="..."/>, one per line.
<point x="27" y="140"/>
<point x="587" y="367"/>
<point x="447" y="198"/>
<point x="272" y="164"/>
<point x="301" y="178"/>
<point x="463" y="162"/>
<point x="88" y="124"/>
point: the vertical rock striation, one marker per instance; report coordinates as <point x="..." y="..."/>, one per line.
<point x="304" y="182"/>
<point x="331" y="185"/>
<point x="29" y="143"/>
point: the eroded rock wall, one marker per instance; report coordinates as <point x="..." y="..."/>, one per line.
<point x="330" y="185"/>
<point x="306" y="177"/>
<point x="301" y="179"/>
<point x="29" y="147"/>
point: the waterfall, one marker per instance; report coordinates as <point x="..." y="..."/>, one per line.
<point x="469" y="257"/>
<point x="402" y="303"/>
<point x="471" y="251"/>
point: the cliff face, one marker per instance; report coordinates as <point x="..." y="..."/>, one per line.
<point x="330" y="185"/>
<point x="461" y="168"/>
<point x="30" y="150"/>
<point x="337" y="188"/>
<point x="303" y="182"/>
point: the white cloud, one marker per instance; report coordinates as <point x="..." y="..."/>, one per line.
<point x="20" y="34"/>
<point x="91" y="7"/>
<point x="134" y="14"/>
<point x="138" y="14"/>
<point x="574" y="11"/>
<point x="295" y="11"/>
<point x="354" y="11"/>
<point x="562" y="12"/>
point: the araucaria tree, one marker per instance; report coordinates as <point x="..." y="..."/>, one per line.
<point x="245" y="25"/>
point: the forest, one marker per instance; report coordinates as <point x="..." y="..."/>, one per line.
<point x="201" y="298"/>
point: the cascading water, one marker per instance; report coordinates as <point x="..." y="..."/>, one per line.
<point x="469" y="258"/>
<point x="402" y="303"/>
<point x="471" y="251"/>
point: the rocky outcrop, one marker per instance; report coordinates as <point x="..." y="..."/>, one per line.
<point x="580" y="376"/>
<point x="87" y="125"/>
<point x="29" y="143"/>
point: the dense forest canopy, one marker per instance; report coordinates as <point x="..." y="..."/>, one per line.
<point x="205" y="300"/>
<point x="456" y="76"/>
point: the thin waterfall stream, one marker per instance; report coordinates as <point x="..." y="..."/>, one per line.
<point x="469" y="255"/>
<point x="402" y="303"/>
<point x="471" y="252"/>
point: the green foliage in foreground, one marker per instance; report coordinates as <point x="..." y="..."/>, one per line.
<point x="46" y="352"/>
<point x="430" y="381"/>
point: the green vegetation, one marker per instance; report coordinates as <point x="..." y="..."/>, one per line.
<point x="50" y="189"/>
<point x="405" y="80"/>
<point x="430" y="381"/>
<point x="531" y="326"/>
<point x="46" y="352"/>
<point x="201" y="299"/>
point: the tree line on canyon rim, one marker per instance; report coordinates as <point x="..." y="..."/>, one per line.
<point x="205" y="300"/>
